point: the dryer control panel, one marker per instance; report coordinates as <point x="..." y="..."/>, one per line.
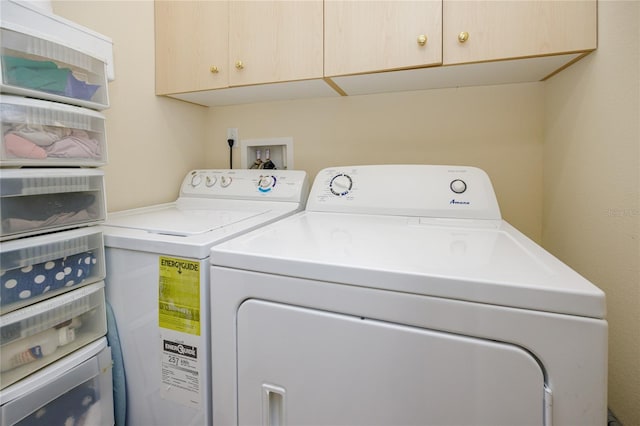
<point x="406" y="190"/>
<point x="243" y="184"/>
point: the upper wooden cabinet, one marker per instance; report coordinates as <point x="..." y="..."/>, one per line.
<point x="481" y="30"/>
<point x="363" y="37"/>
<point x="192" y="40"/>
<point x="366" y="36"/>
<point x="203" y="45"/>
<point x="316" y="48"/>
<point x="274" y="41"/>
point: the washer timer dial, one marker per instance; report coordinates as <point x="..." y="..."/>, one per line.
<point x="340" y="185"/>
<point x="266" y="183"/>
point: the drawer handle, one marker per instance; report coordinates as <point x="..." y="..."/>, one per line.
<point x="422" y="39"/>
<point x="463" y="36"/>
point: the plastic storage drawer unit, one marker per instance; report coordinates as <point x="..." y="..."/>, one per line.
<point x="40" y="68"/>
<point x="76" y="390"/>
<point x="42" y="133"/>
<point x="35" y="336"/>
<point x="41" y="267"/>
<point x="35" y="201"/>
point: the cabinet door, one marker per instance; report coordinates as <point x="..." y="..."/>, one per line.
<point x="513" y="29"/>
<point x="191" y="45"/>
<point x="366" y="36"/>
<point x="274" y="41"/>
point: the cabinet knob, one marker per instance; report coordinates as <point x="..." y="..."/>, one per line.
<point x="239" y="65"/>
<point x="214" y="69"/>
<point x="422" y="39"/>
<point x="463" y="36"/>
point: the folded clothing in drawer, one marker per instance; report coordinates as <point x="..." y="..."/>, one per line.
<point x="35" y="336"/>
<point x="39" y="200"/>
<point x="37" y="132"/>
<point x="36" y="280"/>
<point x="37" y="268"/>
<point x="76" y="390"/>
<point x="46" y="76"/>
<point x="37" y="67"/>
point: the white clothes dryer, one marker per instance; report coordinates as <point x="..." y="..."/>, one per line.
<point x="158" y="283"/>
<point x="400" y="297"/>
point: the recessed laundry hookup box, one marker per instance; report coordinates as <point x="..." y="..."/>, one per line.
<point x="43" y="133"/>
<point x="38" y="268"/>
<point x="76" y="390"/>
<point x="34" y="201"/>
<point x="34" y="337"/>
<point x="41" y="68"/>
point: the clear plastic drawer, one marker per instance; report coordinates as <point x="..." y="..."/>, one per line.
<point x="35" y="336"/>
<point x="41" y="68"/>
<point x="34" y="201"/>
<point x="42" y="133"/>
<point x="76" y="390"/>
<point x="38" y="268"/>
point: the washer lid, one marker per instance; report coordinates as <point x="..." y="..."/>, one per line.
<point x="172" y="220"/>
<point x="189" y="227"/>
<point x="484" y="261"/>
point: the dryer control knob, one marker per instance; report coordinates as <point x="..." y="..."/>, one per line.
<point x="458" y="186"/>
<point x="340" y="184"/>
<point x="196" y="180"/>
<point x="225" y="181"/>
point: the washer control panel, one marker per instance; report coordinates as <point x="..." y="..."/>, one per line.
<point x="279" y="185"/>
<point x="408" y="190"/>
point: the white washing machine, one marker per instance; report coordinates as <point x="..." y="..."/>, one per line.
<point x="158" y="283"/>
<point x="400" y="297"/>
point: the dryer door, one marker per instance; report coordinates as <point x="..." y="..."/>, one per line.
<point x="299" y="366"/>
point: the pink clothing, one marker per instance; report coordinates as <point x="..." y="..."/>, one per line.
<point x="22" y="148"/>
<point x="77" y="145"/>
<point x="46" y="143"/>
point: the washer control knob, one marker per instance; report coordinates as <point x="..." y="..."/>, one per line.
<point x="265" y="183"/>
<point x="225" y="181"/>
<point x="210" y="181"/>
<point x="341" y="184"/>
<point x="196" y="180"/>
<point x="458" y="186"/>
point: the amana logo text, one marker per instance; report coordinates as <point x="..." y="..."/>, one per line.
<point x="454" y="201"/>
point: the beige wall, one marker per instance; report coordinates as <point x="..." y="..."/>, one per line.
<point x="152" y="141"/>
<point x="592" y="182"/>
<point x="579" y="130"/>
<point x="497" y="128"/>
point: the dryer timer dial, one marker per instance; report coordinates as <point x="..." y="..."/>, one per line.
<point x="341" y="184"/>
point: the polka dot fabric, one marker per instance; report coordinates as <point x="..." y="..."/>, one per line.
<point x="35" y="280"/>
<point x="67" y="409"/>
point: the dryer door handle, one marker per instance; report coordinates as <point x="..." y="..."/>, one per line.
<point x="273" y="405"/>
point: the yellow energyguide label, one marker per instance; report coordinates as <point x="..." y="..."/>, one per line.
<point x="179" y="295"/>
